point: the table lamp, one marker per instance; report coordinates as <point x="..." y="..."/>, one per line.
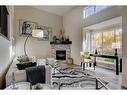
<point x="115" y="45"/>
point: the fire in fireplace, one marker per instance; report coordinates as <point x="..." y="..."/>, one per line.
<point x="60" y="54"/>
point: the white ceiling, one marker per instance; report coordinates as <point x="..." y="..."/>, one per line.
<point x="58" y="10"/>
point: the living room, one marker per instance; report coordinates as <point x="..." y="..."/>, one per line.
<point x="66" y="26"/>
<point x="35" y="46"/>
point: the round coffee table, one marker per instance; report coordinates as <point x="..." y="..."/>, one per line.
<point x="19" y="86"/>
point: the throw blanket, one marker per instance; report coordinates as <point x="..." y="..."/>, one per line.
<point x="36" y="74"/>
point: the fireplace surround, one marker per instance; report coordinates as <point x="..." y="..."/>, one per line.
<point x="61" y="51"/>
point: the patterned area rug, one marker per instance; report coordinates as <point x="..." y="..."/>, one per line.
<point x="76" y="79"/>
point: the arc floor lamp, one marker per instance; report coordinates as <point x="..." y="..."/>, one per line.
<point x="37" y="33"/>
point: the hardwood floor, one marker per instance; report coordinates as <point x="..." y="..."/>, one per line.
<point x="104" y="74"/>
<point x="108" y="75"/>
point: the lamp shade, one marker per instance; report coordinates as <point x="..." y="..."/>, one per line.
<point x="115" y="45"/>
<point x="38" y="33"/>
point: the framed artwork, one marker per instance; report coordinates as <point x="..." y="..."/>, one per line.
<point x="26" y="27"/>
<point x="47" y="32"/>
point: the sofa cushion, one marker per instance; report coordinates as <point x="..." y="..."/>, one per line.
<point x="22" y="66"/>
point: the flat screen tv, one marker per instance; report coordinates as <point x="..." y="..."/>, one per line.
<point x="4" y="21"/>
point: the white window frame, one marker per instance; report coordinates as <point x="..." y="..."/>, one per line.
<point x="94" y="10"/>
<point x="114" y="29"/>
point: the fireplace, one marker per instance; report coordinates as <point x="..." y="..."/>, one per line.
<point x="60" y="54"/>
<point x="64" y="49"/>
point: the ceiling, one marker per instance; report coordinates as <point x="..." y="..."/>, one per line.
<point x="107" y="23"/>
<point x="58" y="10"/>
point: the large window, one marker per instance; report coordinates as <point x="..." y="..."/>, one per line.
<point x="90" y="10"/>
<point x="103" y="40"/>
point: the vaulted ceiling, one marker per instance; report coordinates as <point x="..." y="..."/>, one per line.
<point x="58" y="10"/>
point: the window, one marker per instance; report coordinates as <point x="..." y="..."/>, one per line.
<point x="108" y="39"/>
<point x="97" y="42"/>
<point x="99" y="8"/>
<point x="118" y="39"/>
<point x="102" y="41"/>
<point x="90" y="10"/>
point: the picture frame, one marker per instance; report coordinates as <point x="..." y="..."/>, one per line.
<point x="47" y="32"/>
<point x="26" y="27"/>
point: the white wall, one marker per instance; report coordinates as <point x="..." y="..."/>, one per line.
<point x="72" y="23"/>
<point x="4" y="53"/>
<point x="6" y="45"/>
<point x="40" y="49"/>
<point x="124" y="46"/>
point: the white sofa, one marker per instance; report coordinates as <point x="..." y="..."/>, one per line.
<point x="20" y="75"/>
